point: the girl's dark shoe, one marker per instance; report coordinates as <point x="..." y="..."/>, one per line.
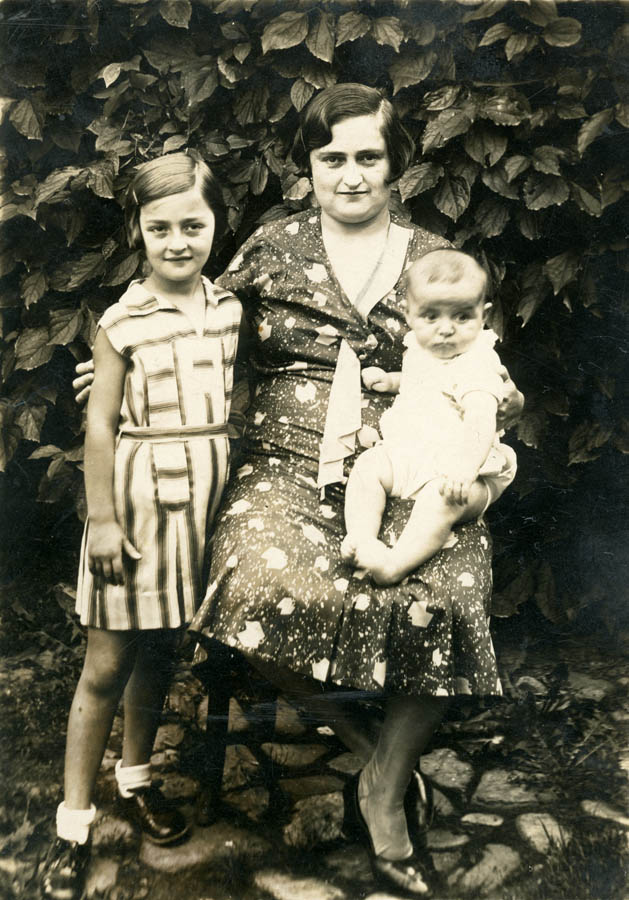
<point x="406" y="875"/>
<point x="419" y="806"/>
<point x="63" y="875"/>
<point x="161" y="822"/>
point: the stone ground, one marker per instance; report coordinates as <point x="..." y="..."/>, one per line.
<point x="516" y="786"/>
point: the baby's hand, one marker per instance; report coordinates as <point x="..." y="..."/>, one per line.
<point x="106" y="544"/>
<point x="376" y="379"/>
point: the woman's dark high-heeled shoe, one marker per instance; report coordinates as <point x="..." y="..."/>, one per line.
<point x="407" y="875"/>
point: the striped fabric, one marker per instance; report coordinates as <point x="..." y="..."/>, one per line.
<point x="172" y="456"/>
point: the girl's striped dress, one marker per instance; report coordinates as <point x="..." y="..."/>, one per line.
<point x="171" y="456"/>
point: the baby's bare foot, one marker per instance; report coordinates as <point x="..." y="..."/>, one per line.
<point x="374" y="556"/>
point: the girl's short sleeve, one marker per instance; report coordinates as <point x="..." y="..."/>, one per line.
<point x="479" y="372"/>
<point x="113" y="322"/>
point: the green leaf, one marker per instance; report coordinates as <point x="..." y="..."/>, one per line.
<point x="562" y="269"/>
<point x="30" y="418"/>
<point x="7" y="262"/>
<point x="492" y="216"/>
<point x="586" y="440"/>
<point x="515" y="165"/>
<point x="387" y="31"/>
<point x="485" y="144"/>
<point x="591" y="129"/>
<point x="585" y="200"/>
<point x="125" y="270"/>
<point x="496" y="181"/>
<point x="34" y="287"/>
<point x="74" y="273"/>
<point x="351" y="26"/>
<point x="100" y="178"/>
<point x="519" y="43"/>
<point x="242" y="51"/>
<point x="174" y="142"/>
<point x="499" y="32"/>
<point x="281" y="106"/>
<point x="64" y="326"/>
<point x="485" y="10"/>
<point x="9" y="441"/>
<point x="622" y="114"/>
<point x="110" y="73"/>
<point x="528" y="223"/>
<point x="504" y="110"/>
<point x="320" y="39"/>
<point x="53" y="186"/>
<point x="541" y="191"/>
<point x="318" y="74"/>
<point x="32" y="348"/>
<point x="452" y="196"/>
<point x="251" y="105"/>
<point x="412" y="68"/>
<point x="176" y="12"/>
<point x="448" y="124"/>
<point x="423" y="33"/>
<point x="533" y="290"/>
<point x="418" y="179"/>
<point x="442" y="98"/>
<point x="287" y="30"/>
<point x="298" y="189"/>
<point x="562" y="32"/>
<point x="540" y="12"/>
<point x="26" y="120"/>
<point x="259" y="178"/>
<point x="546" y="159"/>
<point x="570" y="109"/>
<point x="5" y="105"/>
<point x="300" y="93"/>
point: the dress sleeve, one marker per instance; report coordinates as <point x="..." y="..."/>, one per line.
<point x="252" y="268"/>
<point x="114" y="323"/>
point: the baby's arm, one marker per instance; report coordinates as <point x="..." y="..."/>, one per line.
<point x="376" y="379"/>
<point x="106" y="541"/>
<point x="462" y="464"/>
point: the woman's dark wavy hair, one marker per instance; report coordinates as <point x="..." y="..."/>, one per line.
<point x="347" y="101"/>
<point x="166" y="175"/>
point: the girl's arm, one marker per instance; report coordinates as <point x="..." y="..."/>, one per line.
<point x="106" y="540"/>
<point x="462" y="465"/>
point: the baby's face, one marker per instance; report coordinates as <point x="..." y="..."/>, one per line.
<point x="445" y="320"/>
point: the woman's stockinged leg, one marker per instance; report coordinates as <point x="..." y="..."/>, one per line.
<point x="108" y="662"/>
<point x="408" y="726"/>
<point x="145" y="693"/>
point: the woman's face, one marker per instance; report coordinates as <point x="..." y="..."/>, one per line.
<point x="349" y="175"/>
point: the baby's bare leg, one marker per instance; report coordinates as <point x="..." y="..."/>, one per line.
<point x="366" y="494"/>
<point x="424" y="534"/>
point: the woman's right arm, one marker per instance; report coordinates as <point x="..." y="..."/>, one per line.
<point x="106" y="540"/>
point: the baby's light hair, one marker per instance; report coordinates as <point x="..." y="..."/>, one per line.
<point x="445" y="267"/>
<point x="163" y="176"/>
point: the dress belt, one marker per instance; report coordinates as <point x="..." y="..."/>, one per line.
<point x="157" y="435"/>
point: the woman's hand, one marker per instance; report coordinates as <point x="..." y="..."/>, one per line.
<point x="376" y="379"/>
<point x="106" y="544"/>
<point x="510" y="409"/>
<point x="83" y="384"/>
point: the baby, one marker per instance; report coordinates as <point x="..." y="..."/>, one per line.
<point x="440" y="446"/>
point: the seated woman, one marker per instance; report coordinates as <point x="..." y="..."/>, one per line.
<point x="323" y="293"/>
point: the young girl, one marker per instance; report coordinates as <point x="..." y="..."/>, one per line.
<point x="439" y="445"/>
<point x="156" y="461"/>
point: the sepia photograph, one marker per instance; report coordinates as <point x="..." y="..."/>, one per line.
<point x="250" y="648"/>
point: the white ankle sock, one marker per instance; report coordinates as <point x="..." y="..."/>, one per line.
<point x="131" y="777"/>
<point x="74" y="824"/>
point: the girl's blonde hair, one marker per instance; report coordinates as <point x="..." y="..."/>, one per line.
<point x="167" y="175"/>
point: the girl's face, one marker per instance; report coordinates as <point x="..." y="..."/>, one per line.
<point x="349" y="175"/>
<point x="177" y="232"/>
